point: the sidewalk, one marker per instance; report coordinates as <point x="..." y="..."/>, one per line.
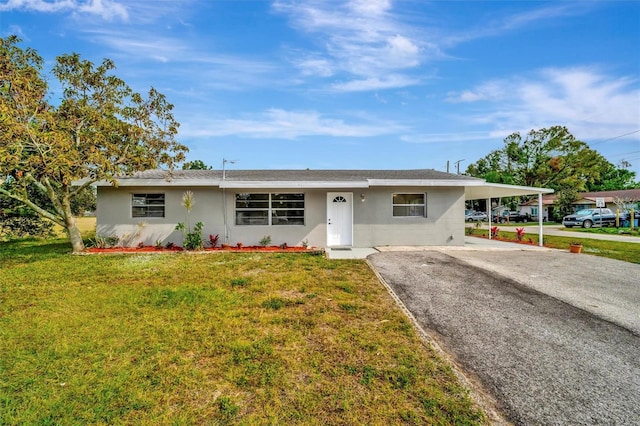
<point x="560" y="231"/>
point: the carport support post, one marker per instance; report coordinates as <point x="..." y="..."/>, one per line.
<point x="540" y="218"/>
<point x="489" y="215"/>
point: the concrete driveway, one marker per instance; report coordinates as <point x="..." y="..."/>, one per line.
<point x="553" y="337"/>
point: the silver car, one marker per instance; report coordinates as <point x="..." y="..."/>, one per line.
<point x="474" y="216"/>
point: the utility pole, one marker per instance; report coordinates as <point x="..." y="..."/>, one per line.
<point x="447" y="166"/>
<point x="457" y="163"/>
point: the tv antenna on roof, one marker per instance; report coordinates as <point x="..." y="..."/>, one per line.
<point x="224" y="163"/>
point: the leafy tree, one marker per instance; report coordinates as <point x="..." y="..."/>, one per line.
<point x="18" y="220"/>
<point x="84" y="201"/>
<point x="563" y="203"/>
<point x="99" y="130"/>
<point x="615" y="178"/>
<point x="551" y="158"/>
<point x="196" y="165"/>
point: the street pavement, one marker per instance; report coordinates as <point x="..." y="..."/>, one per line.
<point x="553" y="337"/>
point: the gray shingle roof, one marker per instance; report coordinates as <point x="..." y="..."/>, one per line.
<point x="298" y="175"/>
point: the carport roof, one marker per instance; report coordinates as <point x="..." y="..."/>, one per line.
<point x="498" y="190"/>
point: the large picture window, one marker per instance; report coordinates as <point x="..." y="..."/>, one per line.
<point x="410" y="205"/>
<point x="147" y="205"/>
<point x="270" y="209"/>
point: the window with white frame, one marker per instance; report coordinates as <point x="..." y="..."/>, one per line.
<point x="269" y="209"/>
<point x="410" y="205"/>
<point x="147" y="205"/>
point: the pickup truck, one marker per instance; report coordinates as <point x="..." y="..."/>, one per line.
<point x="511" y="216"/>
<point x="592" y="217"/>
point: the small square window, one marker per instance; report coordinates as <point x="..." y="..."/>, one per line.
<point x="147" y="205"/>
<point x="410" y="205"/>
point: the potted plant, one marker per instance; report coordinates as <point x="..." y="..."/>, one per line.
<point x="575" y="247"/>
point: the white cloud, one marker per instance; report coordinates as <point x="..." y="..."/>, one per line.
<point x="316" y="67"/>
<point x="360" y="40"/>
<point x="589" y="102"/>
<point x="370" y="7"/>
<point x="106" y="9"/>
<point x="38" y="5"/>
<point x="402" y="47"/>
<point x="491" y="90"/>
<point x="375" y="83"/>
<point x="281" y="124"/>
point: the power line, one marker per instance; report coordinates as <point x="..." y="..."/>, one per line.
<point x="617" y="137"/>
<point x="623" y="154"/>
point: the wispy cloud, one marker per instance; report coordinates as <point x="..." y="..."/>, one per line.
<point x="358" y="40"/>
<point x="15" y="30"/>
<point x="283" y="124"/>
<point x="138" y="44"/>
<point x="492" y="26"/>
<point x="106" y="9"/>
<point x="588" y="101"/>
<point x="183" y="61"/>
<point x="375" y="83"/>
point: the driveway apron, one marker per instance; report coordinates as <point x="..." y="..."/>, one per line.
<point x="545" y="361"/>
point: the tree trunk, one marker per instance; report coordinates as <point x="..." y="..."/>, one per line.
<point x="75" y="237"/>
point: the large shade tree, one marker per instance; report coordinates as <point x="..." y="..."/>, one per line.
<point x="548" y="158"/>
<point x="551" y="158"/>
<point x="97" y="130"/>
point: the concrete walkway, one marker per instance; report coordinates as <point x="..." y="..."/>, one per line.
<point x="349" y="252"/>
<point x="470" y="243"/>
<point x="561" y="231"/>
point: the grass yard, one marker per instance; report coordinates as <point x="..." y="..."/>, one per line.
<point x="210" y="339"/>
<point x="86" y="224"/>
<point x="627" y="252"/>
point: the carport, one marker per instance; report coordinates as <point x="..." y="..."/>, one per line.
<point x="487" y="191"/>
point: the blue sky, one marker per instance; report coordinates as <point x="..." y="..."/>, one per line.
<point x="362" y="84"/>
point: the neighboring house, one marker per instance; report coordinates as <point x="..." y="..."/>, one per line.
<point x="325" y="208"/>
<point x="587" y="200"/>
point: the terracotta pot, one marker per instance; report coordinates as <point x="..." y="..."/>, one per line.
<point x="575" y="248"/>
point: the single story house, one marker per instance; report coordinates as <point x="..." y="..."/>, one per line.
<point x="322" y="208"/>
<point x="586" y="200"/>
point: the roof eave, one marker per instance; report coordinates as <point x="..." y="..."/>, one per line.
<point x="425" y="182"/>
<point x="162" y="182"/>
<point x="229" y="184"/>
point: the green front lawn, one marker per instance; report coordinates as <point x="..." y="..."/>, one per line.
<point x="210" y="339"/>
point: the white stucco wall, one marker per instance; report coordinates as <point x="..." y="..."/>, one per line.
<point x="114" y="214"/>
<point x="373" y="223"/>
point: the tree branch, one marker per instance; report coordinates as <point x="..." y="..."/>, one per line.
<point x="42" y="212"/>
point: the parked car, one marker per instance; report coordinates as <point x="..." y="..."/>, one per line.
<point x="511" y="216"/>
<point x="588" y="218"/>
<point x="473" y="216"/>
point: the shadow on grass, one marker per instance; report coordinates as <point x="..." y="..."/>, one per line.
<point x="31" y="249"/>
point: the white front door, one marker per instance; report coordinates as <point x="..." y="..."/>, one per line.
<point x="339" y="219"/>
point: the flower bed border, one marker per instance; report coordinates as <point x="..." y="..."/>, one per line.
<point x="231" y="249"/>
